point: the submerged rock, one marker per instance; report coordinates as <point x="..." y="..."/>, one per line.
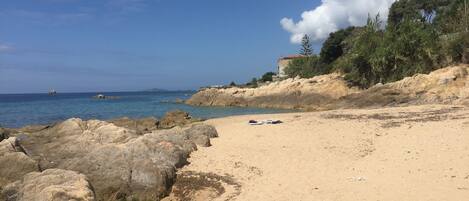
<point x="50" y="185"/>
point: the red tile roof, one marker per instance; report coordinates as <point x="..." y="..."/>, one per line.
<point x="292" y="57"/>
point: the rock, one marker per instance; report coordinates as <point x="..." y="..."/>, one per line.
<point x="203" y="129"/>
<point x="32" y="128"/>
<point x="285" y="94"/>
<point x="3" y="134"/>
<point x="175" y="118"/>
<point x="50" y="185"/>
<point x="18" y="165"/>
<point x="15" y="164"/>
<point x="103" y="97"/>
<point x="141" y="126"/>
<point x="200" y="134"/>
<point x="119" y="163"/>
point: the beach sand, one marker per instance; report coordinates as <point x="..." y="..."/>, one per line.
<point x="408" y="153"/>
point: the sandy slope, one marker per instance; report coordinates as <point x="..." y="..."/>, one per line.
<point x="412" y="153"/>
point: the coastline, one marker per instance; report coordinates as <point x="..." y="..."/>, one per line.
<point x="401" y="153"/>
<point x="388" y="145"/>
<point x="328" y="92"/>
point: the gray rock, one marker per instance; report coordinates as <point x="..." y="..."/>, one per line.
<point x="203" y="129"/>
<point x="200" y="134"/>
<point x="141" y="126"/>
<point x="118" y="162"/>
<point x="15" y="164"/>
<point x="50" y="185"/>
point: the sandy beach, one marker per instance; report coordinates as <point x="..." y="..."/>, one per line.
<point x="409" y="153"/>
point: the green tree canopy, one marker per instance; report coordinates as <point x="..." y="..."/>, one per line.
<point x="267" y="77"/>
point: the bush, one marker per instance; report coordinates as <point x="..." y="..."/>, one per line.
<point x="253" y="83"/>
<point x="305" y="67"/>
<point x="457" y="48"/>
<point x="267" y="77"/>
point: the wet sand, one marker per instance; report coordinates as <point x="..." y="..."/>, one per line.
<point x="409" y="153"/>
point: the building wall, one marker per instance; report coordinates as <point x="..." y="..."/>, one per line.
<point x="282" y="64"/>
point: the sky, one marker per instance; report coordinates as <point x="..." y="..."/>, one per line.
<point x="128" y="45"/>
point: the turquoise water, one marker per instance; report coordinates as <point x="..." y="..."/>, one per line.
<point x="17" y="110"/>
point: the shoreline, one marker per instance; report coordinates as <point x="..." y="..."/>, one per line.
<point x="325" y="155"/>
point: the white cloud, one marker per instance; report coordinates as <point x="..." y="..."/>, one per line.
<point x="333" y="15"/>
<point x="5" y="48"/>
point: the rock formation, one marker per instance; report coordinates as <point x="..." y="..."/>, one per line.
<point x="175" y="118"/>
<point x="447" y="85"/>
<point x="51" y="184"/>
<point x="141" y="126"/>
<point x="15" y="164"/>
<point x="293" y="93"/>
<point x="122" y="160"/>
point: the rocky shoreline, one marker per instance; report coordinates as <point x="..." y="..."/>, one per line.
<point x="326" y="92"/>
<point x="121" y="159"/>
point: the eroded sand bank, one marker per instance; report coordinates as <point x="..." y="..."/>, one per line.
<point x="409" y="153"/>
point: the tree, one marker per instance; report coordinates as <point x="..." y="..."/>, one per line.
<point x="359" y="71"/>
<point x="306" y="48"/>
<point x="232" y="84"/>
<point x="453" y="17"/>
<point x="267" y="77"/>
<point x="333" y="47"/>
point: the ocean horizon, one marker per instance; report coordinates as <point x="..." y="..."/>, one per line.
<point x="18" y="110"/>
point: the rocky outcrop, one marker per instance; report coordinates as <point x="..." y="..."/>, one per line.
<point x="175" y="118"/>
<point x="287" y="94"/>
<point x="119" y="162"/>
<point x="443" y="86"/>
<point x="49" y="185"/>
<point x="14" y="163"/>
<point x="141" y="126"/>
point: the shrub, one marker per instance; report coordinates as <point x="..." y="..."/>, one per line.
<point x="305" y="67"/>
<point x="267" y="77"/>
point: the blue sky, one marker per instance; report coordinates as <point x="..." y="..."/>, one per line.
<point x="122" y="45"/>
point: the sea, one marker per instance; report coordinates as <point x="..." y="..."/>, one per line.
<point x="18" y="110"/>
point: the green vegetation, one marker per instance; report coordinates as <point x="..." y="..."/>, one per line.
<point x="420" y="36"/>
<point x="267" y="77"/>
<point x="253" y="83"/>
<point x="304" y="67"/>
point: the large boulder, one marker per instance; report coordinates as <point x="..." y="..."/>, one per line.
<point x="50" y="185"/>
<point x="14" y="163"/>
<point x="200" y="134"/>
<point x="120" y="163"/>
<point x="141" y="126"/>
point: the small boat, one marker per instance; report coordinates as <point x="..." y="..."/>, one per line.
<point x="52" y="92"/>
